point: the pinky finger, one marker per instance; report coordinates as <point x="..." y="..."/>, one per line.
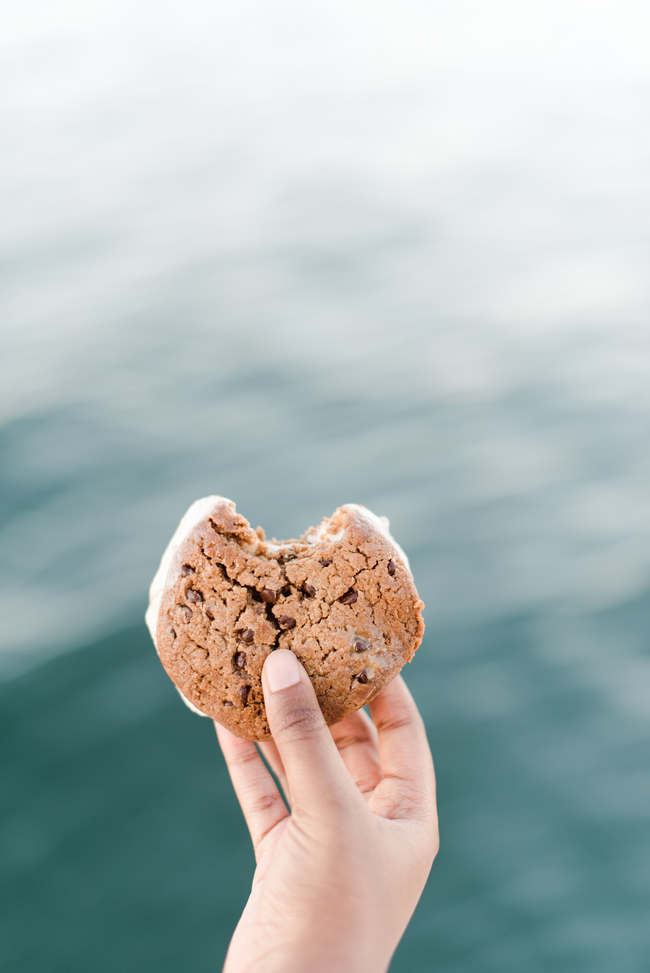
<point x="272" y="756"/>
<point x="258" y="796"/>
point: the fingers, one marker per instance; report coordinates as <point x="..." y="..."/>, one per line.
<point x="316" y="774"/>
<point x="404" y="752"/>
<point x="272" y="756"/>
<point x="255" y="788"/>
<point x="356" y="741"/>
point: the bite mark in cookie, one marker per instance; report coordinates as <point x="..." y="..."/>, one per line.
<point x="342" y="598"/>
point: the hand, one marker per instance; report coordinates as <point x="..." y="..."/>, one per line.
<point x="338" y="878"/>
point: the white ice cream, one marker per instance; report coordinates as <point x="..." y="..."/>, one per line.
<point x="381" y="524"/>
<point x="199" y="510"/>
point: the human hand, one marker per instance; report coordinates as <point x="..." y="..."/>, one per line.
<point x="338" y="878"/>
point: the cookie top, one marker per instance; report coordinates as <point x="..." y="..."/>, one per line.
<point x="342" y="598"/>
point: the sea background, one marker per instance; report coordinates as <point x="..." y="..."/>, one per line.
<point x="302" y="255"/>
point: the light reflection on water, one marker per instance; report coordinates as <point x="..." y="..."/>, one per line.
<point x="306" y="258"/>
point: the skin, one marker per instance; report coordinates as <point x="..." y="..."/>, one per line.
<point x="339" y="875"/>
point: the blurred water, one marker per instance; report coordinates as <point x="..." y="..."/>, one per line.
<point x="306" y="256"/>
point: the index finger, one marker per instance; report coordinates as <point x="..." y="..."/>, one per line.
<point x="404" y="751"/>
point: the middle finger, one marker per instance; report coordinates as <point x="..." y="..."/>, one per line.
<point x="356" y="740"/>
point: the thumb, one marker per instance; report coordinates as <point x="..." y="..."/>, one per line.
<point x="318" y="780"/>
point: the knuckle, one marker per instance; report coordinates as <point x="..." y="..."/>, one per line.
<point x="263" y="802"/>
<point x="401" y="806"/>
<point x="366" y="784"/>
<point x="299" y="723"/>
<point x="392" y="722"/>
<point x="245" y="757"/>
<point x="352" y="739"/>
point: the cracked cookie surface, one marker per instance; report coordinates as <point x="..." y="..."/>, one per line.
<point x="341" y="598"/>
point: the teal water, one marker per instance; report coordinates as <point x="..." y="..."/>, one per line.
<point x="123" y="846"/>
<point x="303" y="257"/>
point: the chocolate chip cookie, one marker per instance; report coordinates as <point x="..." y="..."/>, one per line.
<point x="342" y="598"/>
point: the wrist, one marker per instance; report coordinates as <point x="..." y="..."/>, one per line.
<point x="316" y="954"/>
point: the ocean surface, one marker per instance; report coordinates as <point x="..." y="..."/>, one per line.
<point x="304" y="256"/>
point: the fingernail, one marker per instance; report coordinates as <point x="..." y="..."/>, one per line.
<point x="282" y="670"/>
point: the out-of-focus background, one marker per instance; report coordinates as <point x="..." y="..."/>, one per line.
<point x="303" y="254"/>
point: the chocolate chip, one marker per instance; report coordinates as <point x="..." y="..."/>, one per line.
<point x="325" y="562"/>
<point x="268" y="595"/>
<point x="208" y="612"/>
<point x="187" y="569"/>
<point x="245" y="690"/>
<point x="363" y="677"/>
<point x="194" y="597"/>
<point x="308" y="590"/>
<point x="391" y="568"/>
<point x="186" y="613"/>
<point x="227" y="702"/>
<point x="239" y="659"/>
<point x="247" y="635"/>
<point x="172" y="632"/>
<point x="286" y="621"/>
<point x="360" y="646"/>
<point x="349" y="597"/>
<point x="267" y="729"/>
